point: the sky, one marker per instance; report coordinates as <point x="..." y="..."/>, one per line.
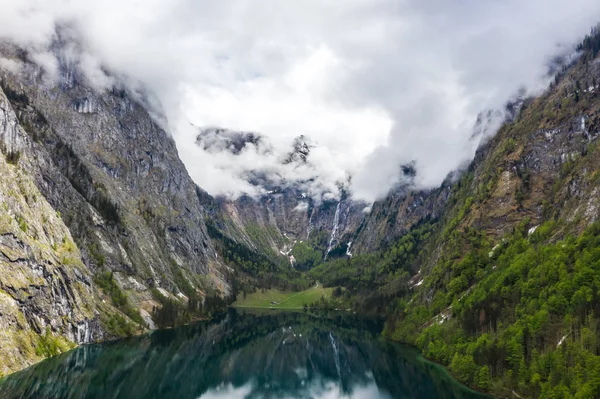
<point x="372" y="84"/>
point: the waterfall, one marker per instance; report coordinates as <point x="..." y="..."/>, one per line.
<point x="584" y="129"/>
<point x="85" y="106"/>
<point x="83" y="333"/>
<point x="336" y="223"/>
<point x="336" y="355"/>
<point x="348" y="253"/>
<point x="309" y="227"/>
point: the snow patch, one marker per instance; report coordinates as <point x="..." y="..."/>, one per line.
<point x="164" y="292"/>
<point x="287" y="250"/>
<point x="301" y="207"/>
<point x="182" y="296"/>
<point x="443" y="316"/>
<point x="85" y="106"/>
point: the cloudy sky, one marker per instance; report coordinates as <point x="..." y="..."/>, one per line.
<point x="374" y="83"/>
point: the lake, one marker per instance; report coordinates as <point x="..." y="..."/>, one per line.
<point x="243" y="354"/>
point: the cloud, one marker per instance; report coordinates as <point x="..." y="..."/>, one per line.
<point x="375" y="84"/>
<point x="10" y="65"/>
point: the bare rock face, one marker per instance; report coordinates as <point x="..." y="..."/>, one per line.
<point x="215" y="140"/>
<point x="276" y="221"/>
<point x="285" y="213"/>
<point x="90" y="183"/>
<point x="115" y="176"/>
<point x="392" y="217"/>
<point x="45" y="288"/>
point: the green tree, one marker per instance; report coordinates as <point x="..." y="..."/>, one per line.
<point x="484" y="378"/>
<point x="464" y="367"/>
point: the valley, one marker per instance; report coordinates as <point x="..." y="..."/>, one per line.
<point x="105" y="235"/>
<point x="275" y="299"/>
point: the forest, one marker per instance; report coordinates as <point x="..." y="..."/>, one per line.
<point x="532" y="325"/>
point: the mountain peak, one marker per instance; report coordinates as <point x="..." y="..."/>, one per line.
<point x="301" y="148"/>
<point x="215" y="139"/>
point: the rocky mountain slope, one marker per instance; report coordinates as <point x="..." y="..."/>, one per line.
<point x="286" y="220"/>
<point x="495" y="273"/>
<point x="100" y="214"/>
<point x="499" y="279"/>
<point x="43" y="281"/>
<point x="284" y="213"/>
<point x="44" y="285"/>
<point x="276" y="222"/>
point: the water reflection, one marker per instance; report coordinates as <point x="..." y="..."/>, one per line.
<point x="315" y="389"/>
<point x="242" y="355"/>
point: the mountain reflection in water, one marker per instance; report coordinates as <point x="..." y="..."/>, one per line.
<point x="243" y="355"/>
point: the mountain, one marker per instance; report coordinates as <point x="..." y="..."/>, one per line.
<point x="284" y="217"/>
<point x="495" y="273"/>
<point x="216" y="140"/>
<point x="104" y="232"/>
<point x="101" y="220"/>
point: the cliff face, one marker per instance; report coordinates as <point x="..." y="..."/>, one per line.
<point x="90" y="185"/>
<point x="44" y="284"/>
<point x="276" y="222"/>
<point x="540" y="166"/>
<point x="112" y="164"/>
<point x="285" y="212"/>
<point x="394" y="216"/>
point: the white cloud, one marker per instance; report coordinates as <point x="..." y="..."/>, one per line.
<point x="50" y="64"/>
<point x="10" y="65"/>
<point x="376" y="83"/>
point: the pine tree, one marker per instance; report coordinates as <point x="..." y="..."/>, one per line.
<point x="484" y="378"/>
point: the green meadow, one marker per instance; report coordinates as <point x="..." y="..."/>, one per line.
<point x="276" y="299"/>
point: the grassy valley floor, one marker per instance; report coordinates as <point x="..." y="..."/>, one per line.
<point x="276" y="299"/>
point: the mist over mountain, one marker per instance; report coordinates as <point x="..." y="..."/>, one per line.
<point x="405" y="84"/>
<point x="435" y="164"/>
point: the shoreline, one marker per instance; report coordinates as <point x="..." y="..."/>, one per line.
<point x="442" y="366"/>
